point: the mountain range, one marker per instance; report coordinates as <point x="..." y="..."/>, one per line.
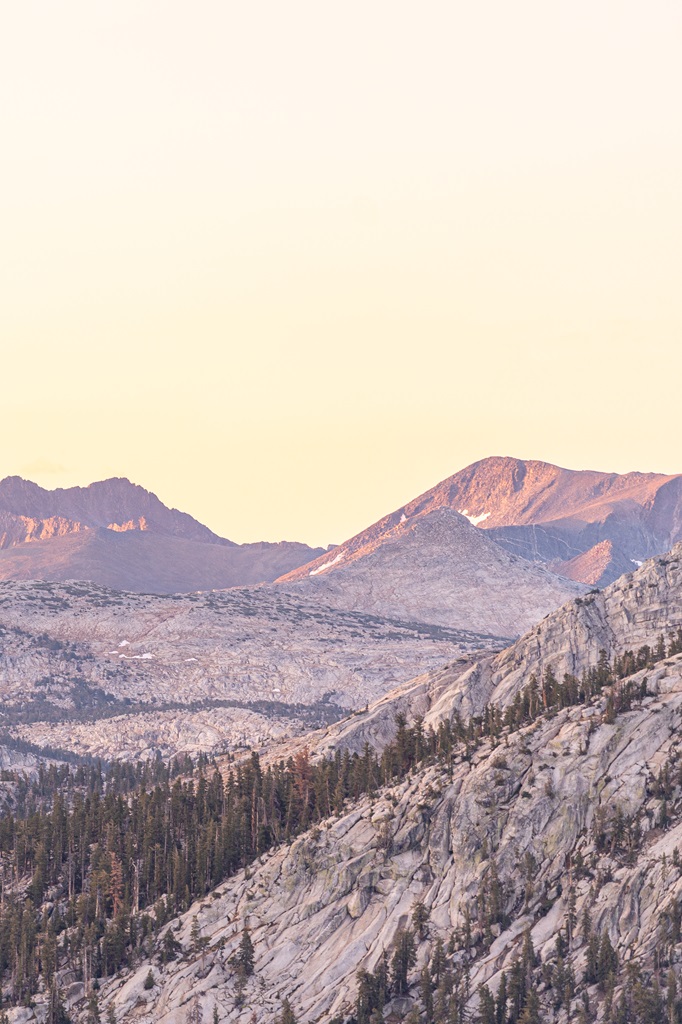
<point x="586" y="525"/>
<point x="120" y="535"/>
<point x="544" y="834"/>
<point x="491" y="549"/>
<point x="434" y="567"/>
<point x="583" y="525"/>
<point x="406" y="818"/>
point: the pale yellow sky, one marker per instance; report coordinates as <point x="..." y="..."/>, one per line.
<point x="290" y="264"/>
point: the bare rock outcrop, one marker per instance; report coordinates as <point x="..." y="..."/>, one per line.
<point x="235" y="667"/>
<point x="333" y="900"/>
<point x="639" y="606"/>
<point x="434" y="567"/>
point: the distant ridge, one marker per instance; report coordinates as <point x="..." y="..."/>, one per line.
<point x="115" y="504"/>
<point x="585" y="525"/>
<point x="555" y="516"/>
<point x="434" y="567"/>
<point x="120" y="535"/>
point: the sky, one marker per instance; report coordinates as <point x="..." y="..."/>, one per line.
<point x="288" y="265"/>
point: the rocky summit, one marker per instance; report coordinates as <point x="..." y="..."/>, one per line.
<point x="586" y="525"/>
<point x="117" y="534"/>
<point x="434" y="567"/>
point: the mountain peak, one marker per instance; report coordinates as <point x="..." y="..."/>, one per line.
<point x="120" y="534"/>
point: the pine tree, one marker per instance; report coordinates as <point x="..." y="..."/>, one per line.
<point x="571" y="917"/>
<point x="486" y="1006"/>
<point x="170" y="946"/>
<point x="671" y="1003"/>
<point x="56" y="1013"/>
<point x="244" y="956"/>
<point x="404" y="957"/>
<point x="607" y="961"/>
<point x="438" y="962"/>
<point x="531" y="1010"/>
<point x="367" y="998"/>
<point x="93" y="1009"/>
<point x="287" y="1014"/>
<point x="586" y="924"/>
<point x="381" y="975"/>
<point x="426" y="991"/>
<point x="501" y="1004"/>
<point x="420" y="916"/>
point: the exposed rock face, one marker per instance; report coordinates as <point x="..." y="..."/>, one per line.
<point x="235" y="667"/>
<point x="514" y="492"/>
<point x="334" y="900"/>
<point x="145" y="562"/>
<point x="554" y="516"/>
<point x="596" y="566"/>
<point x="106" y="502"/>
<point x="15" y="529"/>
<point x="636" y="608"/>
<point x="434" y="567"/>
<point x="545" y="797"/>
<point x="73" y="534"/>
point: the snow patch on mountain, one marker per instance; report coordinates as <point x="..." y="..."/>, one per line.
<point x="474" y="520"/>
<point x="326" y="565"/>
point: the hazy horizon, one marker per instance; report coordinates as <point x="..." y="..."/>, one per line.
<point x="358" y="517"/>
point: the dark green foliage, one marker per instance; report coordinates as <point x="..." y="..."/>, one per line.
<point x="420" y="916"/>
<point x="244" y="956"/>
<point x="486" y="1002"/>
<point x="56" y="1014"/>
<point x="286" y="1015"/>
<point x="426" y="991"/>
<point x="607" y="961"/>
<point x="373" y="991"/>
<point x="404" y="957"/>
<point x="438" y="962"/>
<point x="531" y="1010"/>
<point x="170" y="947"/>
<point x="93" y="1010"/>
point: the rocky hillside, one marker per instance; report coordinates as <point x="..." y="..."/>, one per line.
<point x="556" y="834"/>
<point x="524" y="863"/>
<point x="120" y="535"/>
<point x="106" y="673"/>
<point x="142" y="561"/>
<point x="638" y="606"/>
<point x="588" y="526"/>
<point x="433" y="567"/>
<point x="114" y="504"/>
